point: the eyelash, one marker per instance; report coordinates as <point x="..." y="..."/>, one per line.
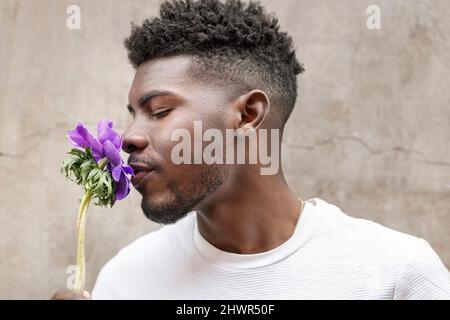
<point x="161" y="114"/>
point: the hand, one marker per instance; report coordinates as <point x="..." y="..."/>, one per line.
<point x="70" y="295"/>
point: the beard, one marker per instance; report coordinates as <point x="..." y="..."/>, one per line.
<point x="184" y="197"/>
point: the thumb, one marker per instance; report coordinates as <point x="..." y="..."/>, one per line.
<point x="86" y="294"/>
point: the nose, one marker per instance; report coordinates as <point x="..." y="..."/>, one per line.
<point x="133" y="141"/>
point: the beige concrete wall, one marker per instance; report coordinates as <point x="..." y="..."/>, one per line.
<point x="370" y="132"/>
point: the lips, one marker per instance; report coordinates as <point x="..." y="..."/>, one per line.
<point x="141" y="170"/>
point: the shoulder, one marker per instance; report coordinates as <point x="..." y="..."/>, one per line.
<point x="148" y="252"/>
<point x="409" y="261"/>
<point x="363" y="234"/>
<point x="423" y="276"/>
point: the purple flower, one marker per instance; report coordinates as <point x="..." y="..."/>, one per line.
<point x="106" y="145"/>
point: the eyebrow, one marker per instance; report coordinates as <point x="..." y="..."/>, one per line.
<point x="147" y="97"/>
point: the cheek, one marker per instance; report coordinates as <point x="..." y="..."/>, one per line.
<point x="165" y="144"/>
<point x="186" y="127"/>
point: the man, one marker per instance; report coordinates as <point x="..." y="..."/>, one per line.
<point x="232" y="232"/>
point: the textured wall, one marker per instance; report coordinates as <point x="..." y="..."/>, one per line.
<point x="370" y="132"/>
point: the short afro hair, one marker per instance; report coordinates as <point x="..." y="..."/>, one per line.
<point x="235" y="45"/>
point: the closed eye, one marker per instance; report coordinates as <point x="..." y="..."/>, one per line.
<point x="161" y="113"/>
<point x="130" y="109"/>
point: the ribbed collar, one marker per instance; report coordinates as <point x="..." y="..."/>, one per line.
<point x="302" y="233"/>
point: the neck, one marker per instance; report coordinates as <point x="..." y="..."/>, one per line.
<point x="257" y="216"/>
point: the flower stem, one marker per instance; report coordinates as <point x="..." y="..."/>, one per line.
<point x="81" y="232"/>
<point x="102" y="163"/>
<point x="81" y="229"/>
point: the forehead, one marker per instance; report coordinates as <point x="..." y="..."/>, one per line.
<point x="168" y="73"/>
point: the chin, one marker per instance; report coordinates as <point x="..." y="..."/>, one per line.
<point x="169" y="202"/>
<point x="163" y="212"/>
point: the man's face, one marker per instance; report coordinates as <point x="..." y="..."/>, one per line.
<point x="163" y="98"/>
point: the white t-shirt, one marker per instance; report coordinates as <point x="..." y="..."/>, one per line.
<point x="330" y="255"/>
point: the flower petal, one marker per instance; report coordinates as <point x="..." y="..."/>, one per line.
<point x="75" y="138"/>
<point x="122" y="187"/>
<point x="81" y="137"/>
<point x="127" y="169"/>
<point x="116" y="173"/>
<point x="111" y="153"/>
<point x="106" y="132"/>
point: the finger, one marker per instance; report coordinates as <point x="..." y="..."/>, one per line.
<point x="69" y="295"/>
<point x="87" y="295"/>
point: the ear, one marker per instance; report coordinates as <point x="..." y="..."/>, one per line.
<point x="252" y="108"/>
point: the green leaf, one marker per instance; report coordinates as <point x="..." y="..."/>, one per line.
<point x="82" y="168"/>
